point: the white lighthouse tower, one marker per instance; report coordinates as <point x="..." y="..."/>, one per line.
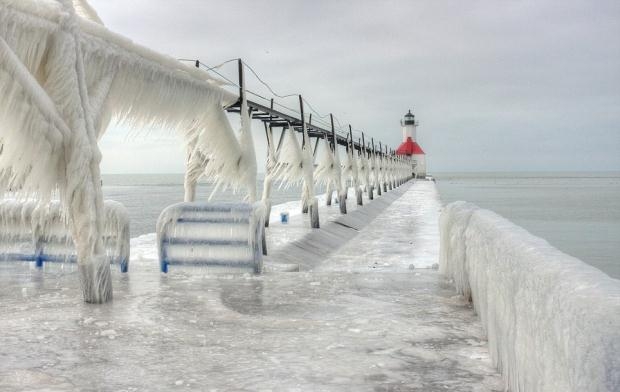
<point x="410" y="147"/>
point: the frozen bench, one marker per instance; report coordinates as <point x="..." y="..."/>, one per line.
<point x="40" y="233"/>
<point x="219" y="235"/>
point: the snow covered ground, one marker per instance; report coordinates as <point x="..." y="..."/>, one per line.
<point x="403" y="237"/>
<point x="361" y="320"/>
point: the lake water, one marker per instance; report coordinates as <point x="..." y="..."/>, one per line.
<point x="146" y="195"/>
<point x="579" y="213"/>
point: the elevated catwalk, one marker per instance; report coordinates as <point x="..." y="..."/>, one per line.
<point x="359" y="317"/>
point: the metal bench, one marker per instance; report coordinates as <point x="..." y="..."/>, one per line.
<point x="40" y="233"/>
<point x="224" y="236"/>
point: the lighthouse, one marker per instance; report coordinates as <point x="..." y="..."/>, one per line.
<point x="410" y="147"/>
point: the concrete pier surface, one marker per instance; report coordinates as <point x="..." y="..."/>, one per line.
<point x="363" y="316"/>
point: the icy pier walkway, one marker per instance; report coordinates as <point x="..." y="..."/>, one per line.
<point x="360" y="320"/>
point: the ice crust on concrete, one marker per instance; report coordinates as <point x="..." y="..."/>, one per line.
<point x="388" y="244"/>
<point x="553" y="322"/>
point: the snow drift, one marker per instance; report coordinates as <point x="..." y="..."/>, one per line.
<point x="553" y="322"/>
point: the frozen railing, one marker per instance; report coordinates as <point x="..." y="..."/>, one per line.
<point x="225" y="236"/>
<point x="553" y="322"/>
<point x="40" y="233"/>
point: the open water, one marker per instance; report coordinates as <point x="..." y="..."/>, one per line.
<point x="579" y="213"/>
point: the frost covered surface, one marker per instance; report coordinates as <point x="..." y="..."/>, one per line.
<point x="396" y="245"/>
<point x="64" y="77"/>
<point x="364" y="330"/>
<point x="553" y="322"/>
<point x="28" y="227"/>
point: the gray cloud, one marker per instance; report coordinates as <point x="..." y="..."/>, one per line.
<point x="496" y="85"/>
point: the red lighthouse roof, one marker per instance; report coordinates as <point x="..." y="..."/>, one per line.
<point x="409" y="147"/>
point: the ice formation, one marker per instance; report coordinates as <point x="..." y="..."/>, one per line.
<point x="32" y="231"/>
<point x="373" y="171"/>
<point x="64" y="78"/>
<point x="553" y="322"/>
<point x="329" y="173"/>
<point x="289" y="168"/>
<point x="350" y="173"/>
<point x="271" y="166"/>
<point x="236" y="169"/>
<point x="363" y="166"/>
<point x="221" y="235"/>
<point x="296" y="166"/>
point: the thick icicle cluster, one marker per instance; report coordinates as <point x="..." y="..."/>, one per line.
<point x="329" y="172"/>
<point x="363" y="165"/>
<point x="553" y="322"/>
<point x="350" y="170"/>
<point x="290" y="165"/>
<point x="64" y="78"/>
<point x="296" y="165"/>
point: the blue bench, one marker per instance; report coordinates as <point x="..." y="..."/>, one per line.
<point x="40" y="233"/>
<point x="225" y="236"/>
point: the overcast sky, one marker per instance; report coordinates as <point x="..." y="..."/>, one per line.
<point x="495" y="85"/>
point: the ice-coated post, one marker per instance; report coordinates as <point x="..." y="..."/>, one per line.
<point x="328" y="199"/>
<point x="374" y="157"/>
<point x="314" y="214"/>
<point x="267" y="211"/>
<point x="304" y="206"/>
<point x="358" y="190"/>
<point x="258" y="247"/>
<point x="264" y="243"/>
<point x="38" y="247"/>
<point x="163" y="259"/>
<point x="124" y="253"/>
<point x="342" y="201"/>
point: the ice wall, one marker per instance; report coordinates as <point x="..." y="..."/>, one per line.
<point x="553" y="322"/>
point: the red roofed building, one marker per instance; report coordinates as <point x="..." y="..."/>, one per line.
<point x="410" y="147"/>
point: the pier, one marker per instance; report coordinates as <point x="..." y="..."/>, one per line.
<point x="374" y="285"/>
<point x="368" y="316"/>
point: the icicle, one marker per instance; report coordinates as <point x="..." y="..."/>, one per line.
<point x="289" y="168"/>
<point x="63" y="79"/>
<point x="83" y="9"/>
<point x="270" y="173"/>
